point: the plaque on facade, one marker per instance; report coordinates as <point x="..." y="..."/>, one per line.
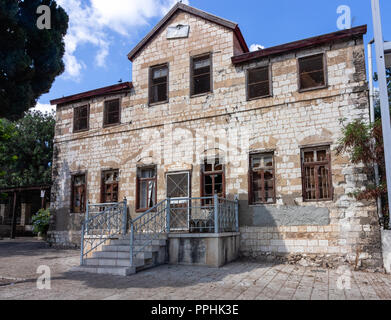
<point x="178" y="31"/>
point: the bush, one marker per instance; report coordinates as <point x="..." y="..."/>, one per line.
<point x="41" y="221"/>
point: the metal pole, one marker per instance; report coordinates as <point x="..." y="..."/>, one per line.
<point x="372" y="116"/>
<point x="131" y="243"/>
<point x="168" y="209"/>
<point x="237" y="213"/>
<point x="87" y="209"/>
<point x="13" y="226"/>
<point x="82" y="245"/>
<point x="124" y="217"/>
<point x="216" y="213"/>
<point x="384" y="102"/>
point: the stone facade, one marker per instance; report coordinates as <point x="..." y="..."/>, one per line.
<point x="180" y="134"/>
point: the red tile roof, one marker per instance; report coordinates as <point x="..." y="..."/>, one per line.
<point x="301" y="44"/>
<point x="116" y="88"/>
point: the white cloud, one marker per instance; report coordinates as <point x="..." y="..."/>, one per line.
<point x="44" y="108"/>
<point x="89" y="23"/>
<point x="256" y="47"/>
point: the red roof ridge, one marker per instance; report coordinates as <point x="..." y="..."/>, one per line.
<point x="202" y="14"/>
<point x="119" y="87"/>
<point x="300" y="44"/>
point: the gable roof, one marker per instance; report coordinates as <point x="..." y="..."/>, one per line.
<point x="116" y="88"/>
<point x="196" y="12"/>
<point x="301" y="44"/>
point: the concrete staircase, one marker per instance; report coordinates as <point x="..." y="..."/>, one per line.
<point x="114" y="257"/>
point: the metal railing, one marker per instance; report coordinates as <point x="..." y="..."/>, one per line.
<point x="197" y="215"/>
<point x="148" y="227"/>
<point x="102" y="222"/>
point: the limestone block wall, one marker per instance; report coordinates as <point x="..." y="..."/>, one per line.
<point x="180" y="134"/>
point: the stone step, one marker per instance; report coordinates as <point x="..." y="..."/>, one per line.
<point x="161" y="236"/>
<point x="106" y="262"/>
<point x="121" y="255"/>
<point x="126" y="249"/>
<point x="117" y="271"/>
<point x="157" y="242"/>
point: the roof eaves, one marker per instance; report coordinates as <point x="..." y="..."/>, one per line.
<point x="300" y="44"/>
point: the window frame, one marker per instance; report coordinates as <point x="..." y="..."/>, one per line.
<point x="105" y="113"/>
<point x="250" y="179"/>
<point x="316" y="164"/>
<point x="88" y="118"/>
<point x="151" y="68"/>
<point x="210" y="173"/>
<point x="325" y="72"/>
<point x="269" y="66"/>
<point x="192" y="58"/>
<point x="138" y="182"/>
<point x="103" y="184"/>
<point x="73" y="176"/>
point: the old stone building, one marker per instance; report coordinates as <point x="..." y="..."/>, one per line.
<point x="204" y="112"/>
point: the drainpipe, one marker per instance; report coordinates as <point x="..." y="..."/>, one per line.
<point x="372" y="116"/>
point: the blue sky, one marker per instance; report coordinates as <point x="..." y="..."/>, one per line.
<point x="103" y="32"/>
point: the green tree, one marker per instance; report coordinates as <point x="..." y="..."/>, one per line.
<point x="364" y="144"/>
<point x="32" y="143"/>
<point x="30" y="58"/>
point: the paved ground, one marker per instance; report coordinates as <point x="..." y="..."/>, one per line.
<point x="19" y="260"/>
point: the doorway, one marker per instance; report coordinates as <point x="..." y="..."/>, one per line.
<point x="178" y="191"/>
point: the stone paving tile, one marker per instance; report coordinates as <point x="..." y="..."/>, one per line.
<point x="239" y="280"/>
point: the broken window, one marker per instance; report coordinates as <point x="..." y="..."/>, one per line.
<point x="112" y="112"/>
<point x="312" y="72"/>
<point x="213" y="179"/>
<point x="201" y="74"/>
<point x="262" y="179"/>
<point x="316" y="172"/>
<point x="146" y="188"/>
<point x="78" y="193"/>
<point x="258" y="83"/>
<point x="80" y="118"/>
<point x="158" y="84"/>
<point x="110" y="181"/>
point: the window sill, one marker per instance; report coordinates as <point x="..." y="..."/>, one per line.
<point x="111" y="125"/>
<point x="157" y="103"/>
<point x="201" y="94"/>
<point x="258" y="98"/>
<point x="81" y="131"/>
<point x="313" y="89"/>
<point x="261" y="204"/>
<point x="319" y="200"/>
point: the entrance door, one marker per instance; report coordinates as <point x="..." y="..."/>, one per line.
<point x="178" y="190"/>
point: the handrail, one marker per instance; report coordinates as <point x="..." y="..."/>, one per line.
<point x="98" y="229"/>
<point x="148" y="211"/>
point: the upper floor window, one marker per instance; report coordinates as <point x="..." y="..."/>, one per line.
<point x="258" y="83"/>
<point x="78" y="193"/>
<point x="262" y="179"/>
<point x="112" y="112"/>
<point x="201" y="74"/>
<point x="316" y="173"/>
<point x="81" y="118"/>
<point x="312" y="72"/>
<point x="110" y="179"/>
<point x="158" y="84"/>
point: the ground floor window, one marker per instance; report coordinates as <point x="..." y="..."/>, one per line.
<point x="262" y="179"/>
<point x="110" y="179"/>
<point x="212" y="179"/>
<point x="316" y="173"/>
<point x="146" y="188"/>
<point x="78" y="193"/>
